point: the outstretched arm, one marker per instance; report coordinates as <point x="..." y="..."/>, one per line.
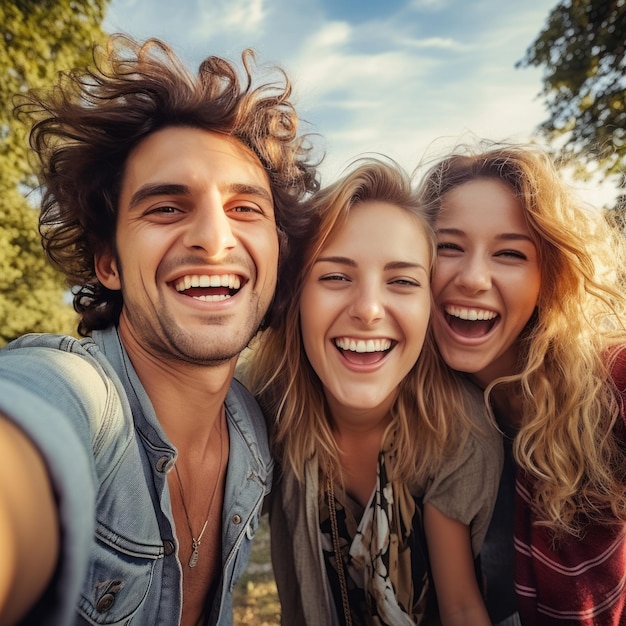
<point x="452" y="563"/>
<point x="29" y="530"/>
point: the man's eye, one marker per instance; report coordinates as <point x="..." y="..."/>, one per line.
<point x="165" y="210"/>
<point x="244" y="208"/>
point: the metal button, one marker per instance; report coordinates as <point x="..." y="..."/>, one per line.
<point x="236" y="519"/>
<point x="107" y="599"/>
<point x="162" y="464"/>
<point x="105" y="602"/>
<point x="168" y="547"/>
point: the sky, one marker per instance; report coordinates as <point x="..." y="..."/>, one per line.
<point x="405" y="78"/>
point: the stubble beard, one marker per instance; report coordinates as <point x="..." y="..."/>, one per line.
<point x="220" y="346"/>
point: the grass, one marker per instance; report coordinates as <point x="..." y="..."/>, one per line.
<point x="255" y="597"/>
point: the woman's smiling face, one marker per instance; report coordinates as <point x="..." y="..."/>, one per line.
<point x="365" y="307"/>
<point x="487" y="279"/>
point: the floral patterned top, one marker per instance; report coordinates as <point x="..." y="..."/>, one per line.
<point x="383" y="545"/>
<point x="384" y="555"/>
<point x="383" y="551"/>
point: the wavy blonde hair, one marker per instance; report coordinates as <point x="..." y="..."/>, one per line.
<point x="567" y="441"/>
<point x="430" y="413"/>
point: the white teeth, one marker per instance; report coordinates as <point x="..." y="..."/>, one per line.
<point x="211" y="298"/>
<point x="230" y="281"/>
<point x="471" y="315"/>
<point x="361" y="345"/>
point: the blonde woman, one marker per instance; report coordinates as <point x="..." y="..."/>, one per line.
<point x="529" y="303"/>
<point x="389" y="468"/>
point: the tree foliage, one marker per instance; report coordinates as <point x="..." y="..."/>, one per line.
<point x="582" y="51"/>
<point x="39" y="38"/>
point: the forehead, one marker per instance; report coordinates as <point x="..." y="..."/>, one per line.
<point x="381" y="228"/>
<point x="483" y="202"/>
<point x="194" y="157"/>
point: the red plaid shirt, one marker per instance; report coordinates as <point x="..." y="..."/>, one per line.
<point x="579" y="582"/>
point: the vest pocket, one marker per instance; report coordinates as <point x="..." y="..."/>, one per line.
<point x="117" y="582"/>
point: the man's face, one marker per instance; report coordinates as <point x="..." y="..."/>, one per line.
<point x="197" y="246"/>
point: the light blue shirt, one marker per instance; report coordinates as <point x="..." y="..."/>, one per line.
<point x="83" y="405"/>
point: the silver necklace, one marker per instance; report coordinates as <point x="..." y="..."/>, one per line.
<point x="196" y="541"/>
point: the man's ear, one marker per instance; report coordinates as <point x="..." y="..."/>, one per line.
<point x="107" y="270"/>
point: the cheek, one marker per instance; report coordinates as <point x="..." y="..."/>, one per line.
<point x="272" y="247"/>
<point x="262" y="248"/>
<point x="527" y="292"/>
<point x="421" y="319"/>
<point x="440" y="277"/>
<point x="308" y="315"/>
<point x="313" y="324"/>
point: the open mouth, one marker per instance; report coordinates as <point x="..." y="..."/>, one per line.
<point x="364" y="351"/>
<point x="470" y="323"/>
<point x="209" y="288"/>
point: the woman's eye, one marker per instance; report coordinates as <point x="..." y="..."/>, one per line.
<point x="333" y="277"/>
<point x="443" y="246"/>
<point x="408" y="282"/>
<point x="515" y="254"/>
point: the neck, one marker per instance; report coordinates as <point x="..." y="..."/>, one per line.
<point x="188" y="398"/>
<point x="359" y="439"/>
<point x="507" y="403"/>
<point x="353" y="422"/>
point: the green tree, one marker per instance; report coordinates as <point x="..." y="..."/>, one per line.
<point x="582" y="51"/>
<point x="39" y="38"/>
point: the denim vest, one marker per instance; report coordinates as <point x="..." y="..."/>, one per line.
<point x="83" y="405"/>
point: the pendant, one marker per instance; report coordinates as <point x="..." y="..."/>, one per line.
<point x="193" y="559"/>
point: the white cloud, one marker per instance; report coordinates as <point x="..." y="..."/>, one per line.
<point x="415" y="77"/>
<point x="429" y="5"/>
<point x="439" y="43"/>
<point x="220" y="17"/>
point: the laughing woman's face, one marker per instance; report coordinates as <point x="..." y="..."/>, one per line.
<point x="365" y="308"/>
<point x="487" y="279"/>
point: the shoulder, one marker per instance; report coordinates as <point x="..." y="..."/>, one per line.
<point x="60" y="383"/>
<point x="246" y="411"/>
<point x="51" y="352"/>
<point x="240" y="401"/>
<point x="465" y="487"/>
<point x="62" y="370"/>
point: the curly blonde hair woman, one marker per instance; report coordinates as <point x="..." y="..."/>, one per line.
<point x="389" y="465"/>
<point x="529" y="302"/>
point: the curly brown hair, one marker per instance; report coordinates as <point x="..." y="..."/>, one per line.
<point x="85" y="127"/>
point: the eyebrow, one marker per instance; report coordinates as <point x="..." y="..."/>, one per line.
<point x="174" y="189"/>
<point x="455" y="232"/>
<point x="392" y="265"/>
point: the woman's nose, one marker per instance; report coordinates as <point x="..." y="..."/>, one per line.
<point x="474" y="275"/>
<point x="367" y="306"/>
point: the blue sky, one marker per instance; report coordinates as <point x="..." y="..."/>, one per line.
<point x="406" y="78"/>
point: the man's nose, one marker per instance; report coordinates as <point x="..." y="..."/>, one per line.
<point x="210" y="229"/>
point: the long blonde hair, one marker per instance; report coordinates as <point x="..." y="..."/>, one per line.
<point x="429" y="415"/>
<point x="571" y="407"/>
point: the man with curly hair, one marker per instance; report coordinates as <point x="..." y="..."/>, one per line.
<point x="138" y="463"/>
